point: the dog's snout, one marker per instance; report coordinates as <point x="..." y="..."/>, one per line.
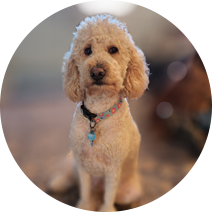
<point x="97" y="73"/>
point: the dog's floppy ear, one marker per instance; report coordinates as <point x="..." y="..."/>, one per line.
<point x="136" y="80"/>
<point x="71" y="79"/>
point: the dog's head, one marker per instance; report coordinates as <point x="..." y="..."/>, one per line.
<point x="104" y="58"/>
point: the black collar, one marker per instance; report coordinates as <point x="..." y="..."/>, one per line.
<point x="87" y="113"/>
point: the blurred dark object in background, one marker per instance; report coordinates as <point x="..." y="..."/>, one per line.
<point x="173" y="65"/>
<point x="183" y="107"/>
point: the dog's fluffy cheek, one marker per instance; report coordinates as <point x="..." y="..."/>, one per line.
<point x="115" y="78"/>
<point x="85" y="79"/>
<point x="85" y="82"/>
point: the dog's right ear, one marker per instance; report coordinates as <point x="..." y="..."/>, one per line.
<point x="71" y="84"/>
<point x="136" y="80"/>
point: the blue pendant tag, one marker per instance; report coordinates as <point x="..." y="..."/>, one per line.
<point x="91" y="136"/>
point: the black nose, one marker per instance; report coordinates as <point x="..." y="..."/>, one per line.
<point x="97" y="73"/>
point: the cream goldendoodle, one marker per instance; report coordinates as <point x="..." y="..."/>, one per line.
<point x="101" y="70"/>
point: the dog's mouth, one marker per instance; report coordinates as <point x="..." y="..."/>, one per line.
<point x="102" y="83"/>
<point x="98" y="83"/>
<point x="97" y="87"/>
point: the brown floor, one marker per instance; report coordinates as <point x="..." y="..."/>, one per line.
<point x="37" y="135"/>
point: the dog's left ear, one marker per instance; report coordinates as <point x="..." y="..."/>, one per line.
<point x="136" y="80"/>
<point x="71" y="79"/>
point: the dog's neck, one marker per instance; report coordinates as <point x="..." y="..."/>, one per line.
<point x="100" y="103"/>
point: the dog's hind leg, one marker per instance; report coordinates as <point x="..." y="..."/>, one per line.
<point x="65" y="178"/>
<point x="129" y="190"/>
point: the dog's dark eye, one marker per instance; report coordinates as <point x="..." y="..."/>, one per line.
<point x="113" y="50"/>
<point x="88" y="51"/>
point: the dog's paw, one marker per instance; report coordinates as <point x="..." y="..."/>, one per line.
<point x="85" y="205"/>
<point x="106" y="208"/>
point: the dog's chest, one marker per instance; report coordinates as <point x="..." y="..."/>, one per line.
<point x="106" y="150"/>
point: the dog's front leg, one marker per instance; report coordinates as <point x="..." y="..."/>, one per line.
<point x="111" y="183"/>
<point x="85" y="190"/>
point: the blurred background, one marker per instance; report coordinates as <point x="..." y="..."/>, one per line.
<point x="173" y="116"/>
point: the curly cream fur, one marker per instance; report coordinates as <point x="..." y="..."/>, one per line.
<point x="115" y="151"/>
